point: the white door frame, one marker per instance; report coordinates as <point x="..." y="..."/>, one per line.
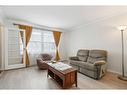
<point x="15" y="66"/>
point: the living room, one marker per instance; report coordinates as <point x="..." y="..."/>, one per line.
<point x="85" y="32"/>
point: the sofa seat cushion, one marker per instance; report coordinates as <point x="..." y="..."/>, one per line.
<point x="73" y="62"/>
<point x="93" y="60"/>
<point x="87" y="66"/>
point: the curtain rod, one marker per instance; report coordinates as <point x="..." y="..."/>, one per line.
<point x="36" y="27"/>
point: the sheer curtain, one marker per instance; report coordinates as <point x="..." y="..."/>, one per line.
<point x="40" y="42"/>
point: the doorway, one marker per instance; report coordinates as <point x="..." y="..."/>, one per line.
<point x="15" y="52"/>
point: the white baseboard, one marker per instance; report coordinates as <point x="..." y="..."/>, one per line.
<point x="109" y="70"/>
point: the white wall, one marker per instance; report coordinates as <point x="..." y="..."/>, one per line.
<point x="0" y="47"/>
<point x="1" y="33"/>
<point x="102" y="34"/>
<point x="1" y="16"/>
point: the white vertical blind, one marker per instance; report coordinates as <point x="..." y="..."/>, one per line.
<point x="14" y="49"/>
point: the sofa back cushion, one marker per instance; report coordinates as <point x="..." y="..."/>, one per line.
<point x="97" y="55"/>
<point x="82" y="55"/>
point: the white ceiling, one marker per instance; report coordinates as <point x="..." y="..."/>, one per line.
<point x="64" y="17"/>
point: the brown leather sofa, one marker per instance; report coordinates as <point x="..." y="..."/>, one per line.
<point x="42" y="61"/>
<point x="90" y="62"/>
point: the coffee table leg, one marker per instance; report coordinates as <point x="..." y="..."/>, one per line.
<point x="76" y="84"/>
<point x="76" y="79"/>
<point x="63" y="86"/>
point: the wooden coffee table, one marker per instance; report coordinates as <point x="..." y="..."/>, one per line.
<point x="66" y="78"/>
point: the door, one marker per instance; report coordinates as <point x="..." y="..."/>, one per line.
<point x="16" y="49"/>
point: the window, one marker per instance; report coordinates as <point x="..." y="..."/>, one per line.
<point x="41" y="42"/>
<point x="48" y="40"/>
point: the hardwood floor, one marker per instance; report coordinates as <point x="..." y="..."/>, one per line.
<point x="32" y="78"/>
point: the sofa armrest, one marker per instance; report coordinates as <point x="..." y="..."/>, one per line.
<point x="74" y="58"/>
<point x="98" y="63"/>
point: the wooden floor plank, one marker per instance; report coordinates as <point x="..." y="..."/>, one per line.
<point x="32" y="78"/>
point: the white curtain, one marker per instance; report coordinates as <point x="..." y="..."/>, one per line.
<point x="40" y="42"/>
